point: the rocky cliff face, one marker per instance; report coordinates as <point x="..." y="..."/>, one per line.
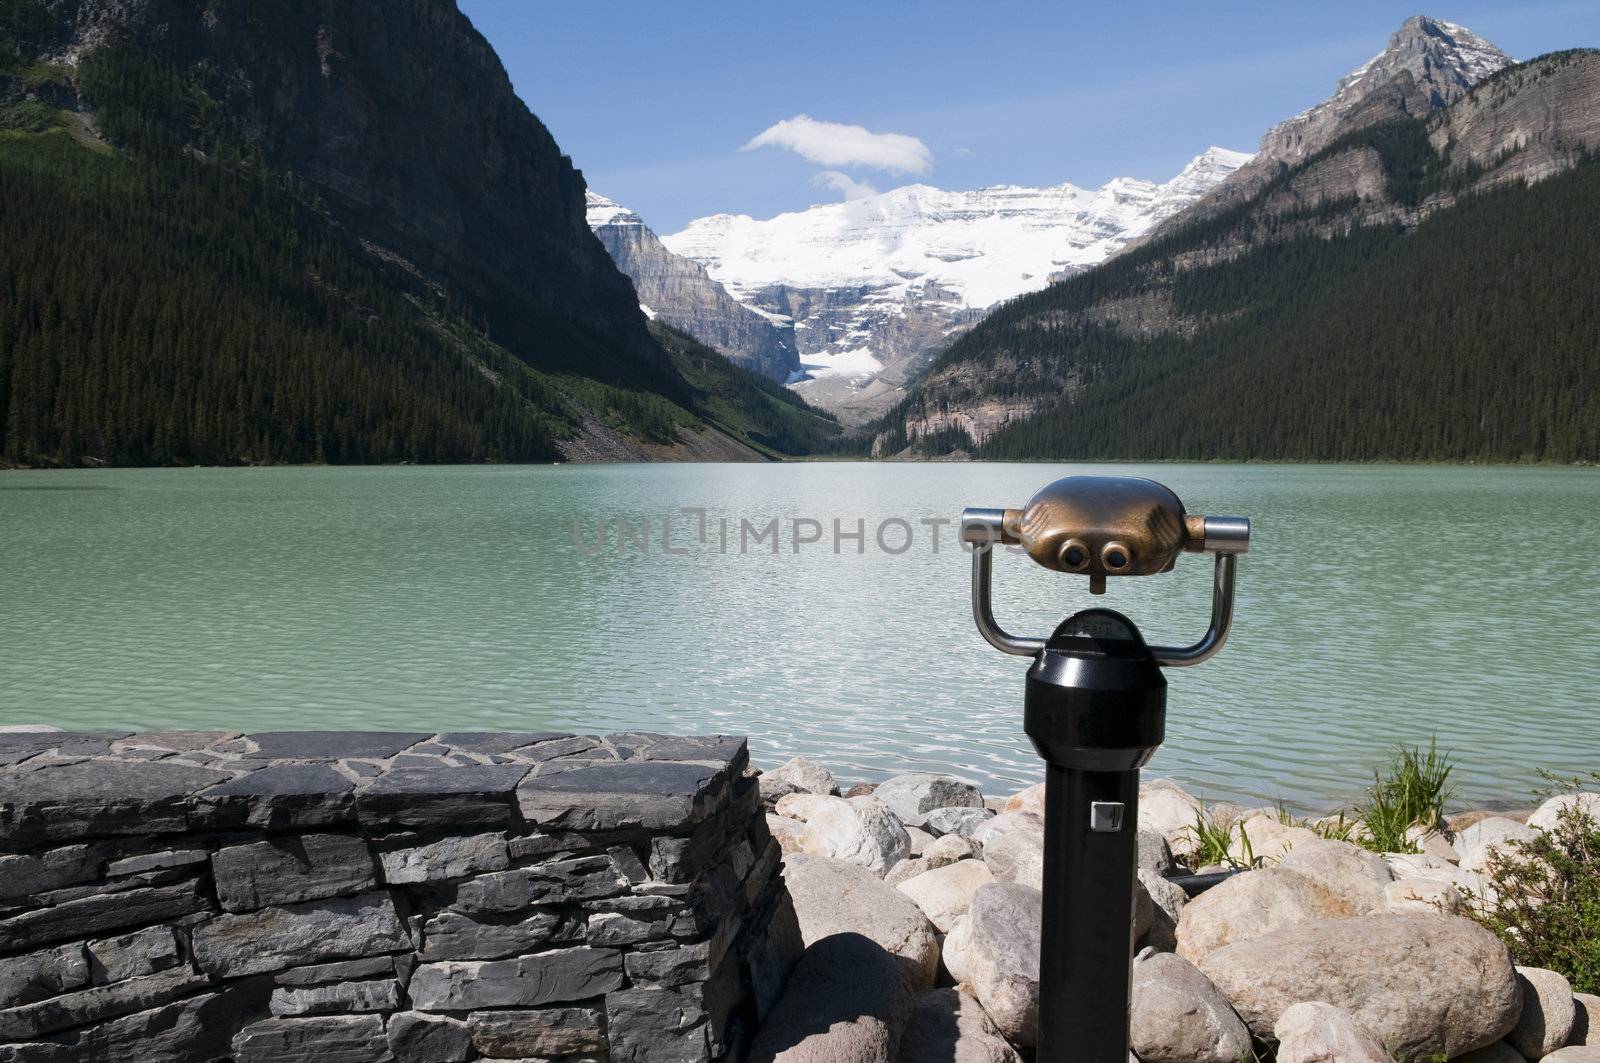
<point x="1428" y="65"/>
<point x="403" y="120"/>
<point x="875" y="286"/>
<point x="679" y="292"/>
<point x="1527" y="123"/>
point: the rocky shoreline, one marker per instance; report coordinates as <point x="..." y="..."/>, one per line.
<point x="918" y="900"/>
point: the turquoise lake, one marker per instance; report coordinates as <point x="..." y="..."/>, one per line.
<point x="1378" y="605"/>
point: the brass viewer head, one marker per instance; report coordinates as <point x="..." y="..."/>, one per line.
<point x="1102" y="526"/>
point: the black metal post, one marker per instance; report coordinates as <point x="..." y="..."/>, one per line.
<point x="1095" y="711"/>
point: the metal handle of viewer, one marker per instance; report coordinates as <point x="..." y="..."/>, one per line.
<point x="1225" y="537"/>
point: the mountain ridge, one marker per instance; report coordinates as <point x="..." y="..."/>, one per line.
<point x="681" y="293"/>
<point x="1084" y="363"/>
<point x="875" y="285"/>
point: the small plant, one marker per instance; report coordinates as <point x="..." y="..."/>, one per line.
<point x="1546" y="899"/>
<point x="1412" y="793"/>
<point x="1335" y="828"/>
<point x="1214" y="843"/>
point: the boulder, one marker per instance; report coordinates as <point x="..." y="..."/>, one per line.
<point x="1427" y="895"/>
<point x="831" y="897"/>
<point x="1310" y="1032"/>
<point x="950" y="848"/>
<point x="945" y="893"/>
<point x="960" y="821"/>
<point x="1167" y="901"/>
<point x="1029" y="800"/>
<point x="920" y="840"/>
<point x="1348" y="871"/>
<point x="1250" y="905"/>
<point x="1548" y="814"/>
<point x="1432" y="843"/>
<point x="847" y="1001"/>
<point x="1480" y="841"/>
<point x="1585" y="1019"/>
<point x="942" y="853"/>
<point x="1404" y="977"/>
<point x="1017" y="856"/>
<point x="1548" y="1012"/>
<point x="801" y="807"/>
<point x="1154" y="853"/>
<point x="949" y="1026"/>
<point x="996" y="948"/>
<point x="1472" y="886"/>
<point x="860" y="831"/>
<point x="1575" y="1054"/>
<point x="803" y="775"/>
<point x="1499" y="1052"/>
<point x="913" y="795"/>
<point x="1007" y="823"/>
<point x="791" y="833"/>
<point x="1178" y="1016"/>
<point x="1166" y="809"/>
<point x="1264" y="840"/>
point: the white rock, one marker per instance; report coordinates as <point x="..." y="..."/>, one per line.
<point x="1483" y="839"/>
<point x="1264" y="840"/>
<point x="859" y="830"/>
<point x="1548" y="1012"/>
<point x="1178" y="1016"/>
<point x="950" y="848"/>
<point x="1347" y="870"/>
<point x="1253" y="904"/>
<point x="791" y="833"/>
<point x="1321" y="1033"/>
<point x="1433" y="843"/>
<point x="1472" y="886"/>
<point x="999" y="957"/>
<point x="962" y="821"/>
<point x="1164" y="807"/>
<point x="1422" y="895"/>
<point x="1548" y="814"/>
<point x="846" y="1002"/>
<point x="1008" y="823"/>
<point x="1029" y="800"/>
<point x="1585" y="1020"/>
<point x="949" y="1026"/>
<point x="913" y="795"/>
<point x="802" y="806"/>
<point x="1425" y="984"/>
<point x="1167" y="900"/>
<point x="920" y="839"/>
<point x="1017" y="856"/>
<point x="945" y="893"/>
<point x="1575" y="1054"/>
<point x="831" y="897"/>
<point x="806" y="775"/>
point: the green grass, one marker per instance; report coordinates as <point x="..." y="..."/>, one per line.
<point x="1412" y="792"/>
<point x="1214" y="843"/>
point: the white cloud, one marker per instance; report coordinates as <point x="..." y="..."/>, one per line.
<point x="844" y="184"/>
<point x="835" y="144"/>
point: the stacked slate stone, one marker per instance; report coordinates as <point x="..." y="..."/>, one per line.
<point x="362" y="897"/>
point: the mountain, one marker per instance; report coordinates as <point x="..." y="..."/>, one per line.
<point x="1418" y="288"/>
<point x="679" y="292"/>
<point x="1427" y="65"/>
<point x="331" y="234"/>
<point x="874" y="286"/>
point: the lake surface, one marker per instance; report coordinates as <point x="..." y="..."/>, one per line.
<point x="1378" y="605"/>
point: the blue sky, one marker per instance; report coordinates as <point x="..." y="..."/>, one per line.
<point x="653" y="100"/>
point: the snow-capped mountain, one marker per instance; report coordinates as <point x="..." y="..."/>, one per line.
<point x="873" y="285"/>
<point x="679" y="292"/>
<point x="1427" y="65"/>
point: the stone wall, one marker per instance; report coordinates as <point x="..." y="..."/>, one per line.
<point x="359" y="897"/>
